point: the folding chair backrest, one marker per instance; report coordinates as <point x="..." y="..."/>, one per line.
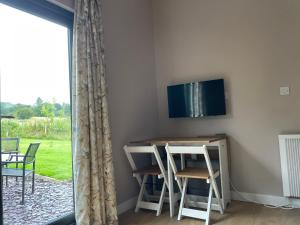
<point x="31" y="152"/>
<point x="199" y="150"/>
<point x="10" y="145"/>
<point x="129" y="150"/>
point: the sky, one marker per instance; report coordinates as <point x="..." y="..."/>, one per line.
<point x="33" y="58"/>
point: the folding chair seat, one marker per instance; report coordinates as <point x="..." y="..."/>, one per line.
<point x="142" y="175"/>
<point x="150" y="170"/>
<point x="185" y="174"/>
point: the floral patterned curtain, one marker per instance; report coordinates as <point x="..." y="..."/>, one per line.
<point x="94" y="186"/>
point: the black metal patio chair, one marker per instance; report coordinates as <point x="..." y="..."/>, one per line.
<point x="9" y="147"/>
<point x="28" y="159"/>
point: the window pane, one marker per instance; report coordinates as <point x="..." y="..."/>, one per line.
<point x="34" y="67"/>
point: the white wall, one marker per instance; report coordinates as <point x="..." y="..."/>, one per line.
<point x="255" y="46"/>
<point x="131" y="82"/>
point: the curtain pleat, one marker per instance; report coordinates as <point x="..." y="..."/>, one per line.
<point x="94" y="185"/>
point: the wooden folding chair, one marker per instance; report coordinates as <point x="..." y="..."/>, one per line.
<point x="194" y="173"/>
<point x="154" y="170"/>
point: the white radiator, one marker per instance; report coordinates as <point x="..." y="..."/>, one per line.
<point x="290" y="164"/>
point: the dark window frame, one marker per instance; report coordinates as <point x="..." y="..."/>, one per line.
<point x="56" y="14"/>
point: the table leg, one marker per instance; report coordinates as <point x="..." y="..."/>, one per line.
<point x="182" y="160"/>
<point x="171" y="189"/>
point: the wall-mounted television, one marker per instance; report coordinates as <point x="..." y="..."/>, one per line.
<point x="197" y="99"/>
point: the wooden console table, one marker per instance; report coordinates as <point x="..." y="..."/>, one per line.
<point x="219" y="142"/>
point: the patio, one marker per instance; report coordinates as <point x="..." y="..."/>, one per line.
<point x="52" y="199"/>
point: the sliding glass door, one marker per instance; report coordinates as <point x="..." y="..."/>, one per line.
<point x="36" y="154"/>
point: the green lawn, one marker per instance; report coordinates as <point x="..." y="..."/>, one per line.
<point x="53" y="159"/>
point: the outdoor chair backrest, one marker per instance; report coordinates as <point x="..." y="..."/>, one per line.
<point x="31" y="152"/>
<point x="10" y="145"/>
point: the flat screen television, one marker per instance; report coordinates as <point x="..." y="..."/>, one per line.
<point x="197" y="99"/>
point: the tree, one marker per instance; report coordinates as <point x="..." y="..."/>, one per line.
<point x="24" y="113"/>
<point x="38" y="107"/>
<point x="60" y="113"/>
<point x="7" y="108"/>
<point x="47" y="110"/>
<point x="39" y="102"/>
<point x="67" y="109"/>
<point x="58" y="110"/>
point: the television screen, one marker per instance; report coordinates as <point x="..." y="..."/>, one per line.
<point x="197" y="99"/>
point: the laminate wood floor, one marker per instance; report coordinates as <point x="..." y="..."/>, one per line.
<point x="238" y="213"/>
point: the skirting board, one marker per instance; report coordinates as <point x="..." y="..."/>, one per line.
<point x="241" y="196"/>
<point x="265" y="199"/>
<point x="127" y="205"/>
